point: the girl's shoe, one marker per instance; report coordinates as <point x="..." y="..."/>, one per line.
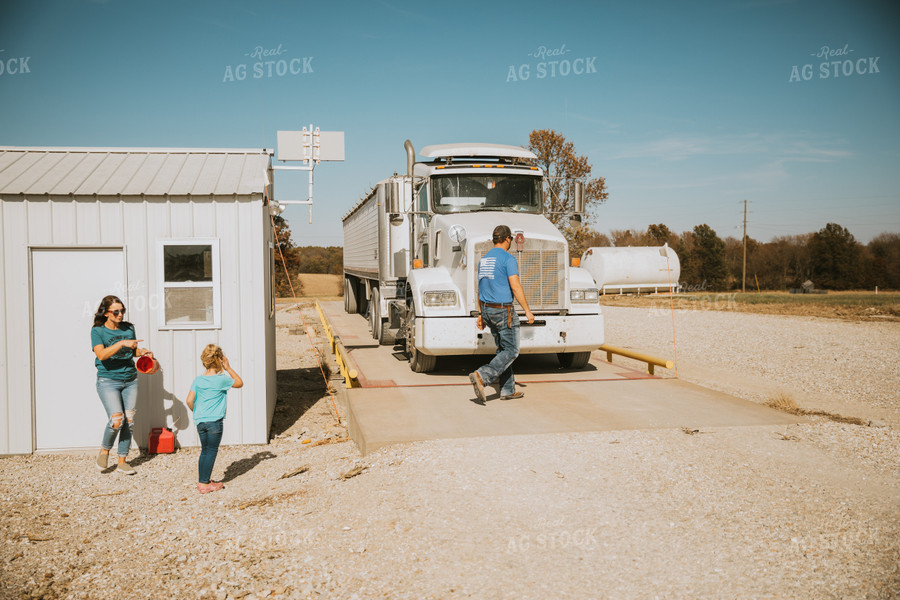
<point x="212" y="486"/>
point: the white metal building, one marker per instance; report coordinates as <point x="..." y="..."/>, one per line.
<point x="183" y="237"/>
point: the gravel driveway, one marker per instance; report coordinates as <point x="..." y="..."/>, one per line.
<point x="803" y="511"/>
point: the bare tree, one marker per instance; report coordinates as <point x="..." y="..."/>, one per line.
<point x="563" y="167"/>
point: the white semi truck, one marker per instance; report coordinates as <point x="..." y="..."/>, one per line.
<point x="412" y="246"/>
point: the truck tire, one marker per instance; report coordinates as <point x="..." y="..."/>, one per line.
<point x="375" y="314"/>
<point x="379" y="331"/>
<point x="418" y="362"/>
<point x="573" y="360"/>
<point x="351" y="305"/>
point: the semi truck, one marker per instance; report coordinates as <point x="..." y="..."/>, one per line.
<point x="413" y="242"/>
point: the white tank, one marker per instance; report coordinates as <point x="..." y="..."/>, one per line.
<point x="633" y="268"/>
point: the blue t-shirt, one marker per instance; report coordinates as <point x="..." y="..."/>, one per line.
<point x="494" y="271"/>
<point x="120" y="365"/>
<point x="210" y="392"/>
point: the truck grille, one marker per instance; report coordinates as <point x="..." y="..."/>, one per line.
<point x="542" y="269"/>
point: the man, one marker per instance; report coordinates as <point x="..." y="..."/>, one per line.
<point x="498" y="283"/>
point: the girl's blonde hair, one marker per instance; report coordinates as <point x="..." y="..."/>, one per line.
<point x="212" y="357"/>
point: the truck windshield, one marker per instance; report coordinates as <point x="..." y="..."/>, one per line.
<point x="472" y="192"/>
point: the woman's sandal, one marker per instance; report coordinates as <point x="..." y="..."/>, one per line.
<point x="212" y="486"/>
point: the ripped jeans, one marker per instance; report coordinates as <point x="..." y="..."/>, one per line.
<point x="119" y="398"/>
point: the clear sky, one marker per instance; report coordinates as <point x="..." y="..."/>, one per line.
<point x="687" y="108"/>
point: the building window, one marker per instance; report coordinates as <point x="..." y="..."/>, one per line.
<point x="190" y="284"/>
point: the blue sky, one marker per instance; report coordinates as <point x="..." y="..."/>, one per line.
<point x="687" y="108"/>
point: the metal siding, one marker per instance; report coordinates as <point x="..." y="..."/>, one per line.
<point x="361" y="237"/>
<point x="230" y="337"/>
<point x="41" y="175"/>
<point x="5" y="423"/>
<point x="87" y="223"/>
<point x="203" y="217"/>
<point x="39" y="231"/>
<point x="63" y="222"/>
<point x="18" y="337"/>
<point x="140" y="182"/>
<point x="112" y="222"/>
<point x="181" y="219"/>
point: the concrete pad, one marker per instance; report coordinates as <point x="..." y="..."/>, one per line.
<point x="396" y="405"/>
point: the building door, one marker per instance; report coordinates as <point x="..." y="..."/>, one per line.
<point x="66" y="288"/>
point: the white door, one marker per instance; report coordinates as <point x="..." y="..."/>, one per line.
<point x="66" y="288"/>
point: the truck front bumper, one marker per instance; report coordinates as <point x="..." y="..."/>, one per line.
<point x="550" y="333"/>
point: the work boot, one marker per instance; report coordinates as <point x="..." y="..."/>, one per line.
<point x="478" y="384"/>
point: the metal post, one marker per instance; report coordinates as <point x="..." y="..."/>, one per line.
<point x="744" y="273"/>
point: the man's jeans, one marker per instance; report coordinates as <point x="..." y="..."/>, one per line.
<point x="507" y="340"/>
<point x="118" y="398"/>
<point x="210" y="433"/>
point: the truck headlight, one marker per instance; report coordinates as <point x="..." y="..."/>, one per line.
<point x="440" y="298"/>
<point x="585" y="296"/>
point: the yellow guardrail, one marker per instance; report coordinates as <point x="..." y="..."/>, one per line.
<point x="345" y="363"/>
<point x="650" y="360"/>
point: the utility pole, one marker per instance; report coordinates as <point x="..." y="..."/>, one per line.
<point x="744" y="273"/>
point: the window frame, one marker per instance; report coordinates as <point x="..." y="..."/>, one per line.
<point x="215" y="284"/>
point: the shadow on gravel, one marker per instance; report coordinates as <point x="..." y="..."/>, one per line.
<point x="239" y="467"/>
<point x="298" y="391"/>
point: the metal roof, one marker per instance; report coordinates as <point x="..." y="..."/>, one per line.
<point x="133" y="171"/>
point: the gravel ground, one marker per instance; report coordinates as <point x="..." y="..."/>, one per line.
<point x="805" y="511"/>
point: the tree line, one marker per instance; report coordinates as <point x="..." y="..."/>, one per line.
<point x="301" y="259"/>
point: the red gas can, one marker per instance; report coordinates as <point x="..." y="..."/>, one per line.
<point x="162" y="441"/>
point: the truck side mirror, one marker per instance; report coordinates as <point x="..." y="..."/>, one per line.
<point x="579" y="198"/>
<point x="393" y="202"/>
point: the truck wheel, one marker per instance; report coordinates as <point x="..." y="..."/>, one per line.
<point x="350" y="295"/>
<point x="418" y="362"/>
<point x="573" y="360"/>
<point x="379" y="331"/>
<point x="375" y="314"/>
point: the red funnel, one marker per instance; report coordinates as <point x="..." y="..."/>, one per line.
<point x="147" y="365"/>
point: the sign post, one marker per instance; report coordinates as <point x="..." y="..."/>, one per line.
<point x="310" y="147"/>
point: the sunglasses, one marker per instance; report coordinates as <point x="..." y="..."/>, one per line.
<point x="118" y="312"/>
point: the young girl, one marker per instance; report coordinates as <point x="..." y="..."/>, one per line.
<point x="207" y="400"/>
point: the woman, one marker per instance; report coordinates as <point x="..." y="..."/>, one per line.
<point x="115" y="346"/>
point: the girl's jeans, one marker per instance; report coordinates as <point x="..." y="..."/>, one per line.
<point x="210" y="434"/>
<point x="119" y="398"/>
<point x="507" y="339"/>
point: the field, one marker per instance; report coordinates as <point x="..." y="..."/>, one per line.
<point x="883" y="306"/>
<point x="316" y="285"/>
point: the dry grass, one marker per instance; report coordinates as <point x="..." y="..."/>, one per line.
<point x="785" y="403"/>
<point x="317" y="285"/>
<point x="851" y="306"/>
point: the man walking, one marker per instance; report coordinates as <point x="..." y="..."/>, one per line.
<point x="498" y="283"/>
